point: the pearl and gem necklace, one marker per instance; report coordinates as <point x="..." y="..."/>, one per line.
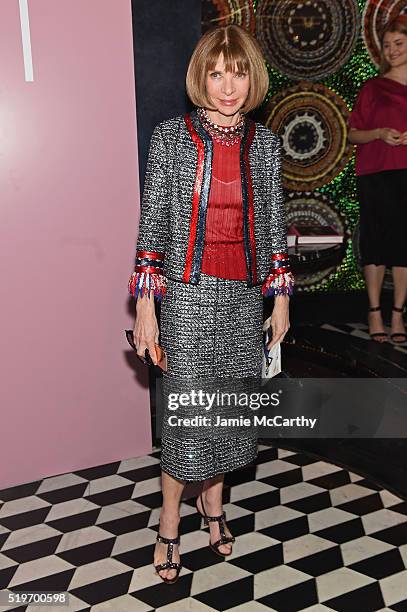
<point x="227" y="136"/>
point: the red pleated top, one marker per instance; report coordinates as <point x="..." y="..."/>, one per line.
<point x="381" y="103"/>
<point x="223" y="254"/>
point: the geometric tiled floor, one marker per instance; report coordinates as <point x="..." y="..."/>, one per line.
<point x="361" y="330"/>
<point x="309" y="536"/>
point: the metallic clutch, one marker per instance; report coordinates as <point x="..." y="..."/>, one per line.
<point x="161" y="354"/>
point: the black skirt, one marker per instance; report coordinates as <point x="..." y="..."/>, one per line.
<point x="383" y="218"/>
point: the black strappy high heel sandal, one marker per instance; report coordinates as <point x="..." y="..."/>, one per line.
<point x="402" y="334"/>
<point x="224" y="539"/>
<point x="378" y="334"/>
<point x="169" y="564"/>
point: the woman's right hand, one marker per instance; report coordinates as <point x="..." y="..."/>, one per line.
<point x="146" y="332"/>
<point x="390" y="136"/>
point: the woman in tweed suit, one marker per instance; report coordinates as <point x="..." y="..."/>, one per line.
<point x="212" y="242"/>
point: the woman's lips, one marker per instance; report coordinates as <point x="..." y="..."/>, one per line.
<point x="228" y="102"/>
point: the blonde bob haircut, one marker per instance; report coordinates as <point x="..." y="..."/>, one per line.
<point x="399" y="24"/>
<point x="241" y="52"/>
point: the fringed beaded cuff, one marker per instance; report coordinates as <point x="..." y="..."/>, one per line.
<point x="280" y="280"/>
<point x="147" y="277"/>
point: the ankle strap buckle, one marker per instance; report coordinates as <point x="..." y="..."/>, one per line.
<point x="163" y="540"/>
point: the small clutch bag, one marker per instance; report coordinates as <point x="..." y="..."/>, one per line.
<point x="161" y="354"/>
<point x="271" y="358"/>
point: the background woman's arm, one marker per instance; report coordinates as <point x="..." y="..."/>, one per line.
<point x="363" y="119"/>
<point x="388" y="135"/>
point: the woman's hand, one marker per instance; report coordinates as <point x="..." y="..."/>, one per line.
<point x="280" y="323"/>
<point x="390" y="136"/>
<point x="403" y="140"/>
<point x="146" y="330"/>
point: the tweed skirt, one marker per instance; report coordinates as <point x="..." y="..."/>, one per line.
<point x="212" y="330"/>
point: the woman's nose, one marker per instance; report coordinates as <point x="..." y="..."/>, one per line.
<point x="228" y="85"/>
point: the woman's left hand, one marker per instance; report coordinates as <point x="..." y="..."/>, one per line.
<point x="280" y="322"/>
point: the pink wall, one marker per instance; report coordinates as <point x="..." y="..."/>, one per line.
<point x="68" y="215"/>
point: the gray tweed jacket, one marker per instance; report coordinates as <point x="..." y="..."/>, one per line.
<point x="176" y="192"/>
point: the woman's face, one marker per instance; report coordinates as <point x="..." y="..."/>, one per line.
<point x="227" y="91"/>
<point x="395" y="49"/>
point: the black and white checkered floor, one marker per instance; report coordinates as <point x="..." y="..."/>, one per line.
<point x="360" y="330"/>
<point x="309" y="536"/>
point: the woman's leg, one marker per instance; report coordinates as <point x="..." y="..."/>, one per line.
<point x="212" y="499"/>
<point x="374" y="276"/>
<point x="400" y="294"/>
<point x="172" y="489"/>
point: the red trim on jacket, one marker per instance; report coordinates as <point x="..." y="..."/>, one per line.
<point x="251" y="200"/>
<point x="279" y="256"/>
<point x="195" y="199"/>
<point x="150" y="255"/>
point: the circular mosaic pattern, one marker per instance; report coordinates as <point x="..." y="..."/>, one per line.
<point x="307" y="40"/>
<point x="376" y="15"/>
<point x="313" y="264"/>
<point x="311" y="120"/>
<point x="356" y="247"/>
<point x="225" y="12"/>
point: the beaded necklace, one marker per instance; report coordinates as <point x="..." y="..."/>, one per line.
<point x="227" y="136"/>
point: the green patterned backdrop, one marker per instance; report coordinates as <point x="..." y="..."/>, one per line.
<point x="342" y="190"/>
<point x="345" y="82"/>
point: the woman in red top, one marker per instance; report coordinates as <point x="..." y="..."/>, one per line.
<point x="378" y="125"/>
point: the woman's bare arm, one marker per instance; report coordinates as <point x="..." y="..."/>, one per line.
<point x="280" y="319"/>
<point x="146" y="331"/>
<point x="388" y="135"/>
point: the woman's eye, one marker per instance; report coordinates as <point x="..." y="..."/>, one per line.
<point x="241" y="75"/>
<point x="215" y="74"/>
